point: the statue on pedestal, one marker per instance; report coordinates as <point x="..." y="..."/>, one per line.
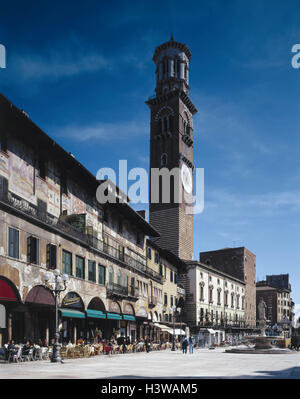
<point x="262" y="316"/>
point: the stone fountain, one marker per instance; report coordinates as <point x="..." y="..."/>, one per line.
<point x="263" y="343"/>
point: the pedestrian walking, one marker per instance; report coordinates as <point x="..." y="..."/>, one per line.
<point x="184" y="345"/>
<point x="191" y="344"/>
<point x="148" y="344"/>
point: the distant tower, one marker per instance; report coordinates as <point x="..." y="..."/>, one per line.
<point x="171" y="144"/>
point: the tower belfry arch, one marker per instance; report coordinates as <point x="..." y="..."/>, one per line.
<point x="171" y="144"/>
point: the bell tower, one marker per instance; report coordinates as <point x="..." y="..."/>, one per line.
<point x="171" y="146"/>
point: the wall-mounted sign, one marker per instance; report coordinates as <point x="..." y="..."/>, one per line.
<point x="72" y="300"/>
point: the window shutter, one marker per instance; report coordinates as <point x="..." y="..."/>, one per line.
<point x="3" y="188"/>
<point x="48" y="256"/>
<point x="51" y="256"/>
<point x="29" y="250"/>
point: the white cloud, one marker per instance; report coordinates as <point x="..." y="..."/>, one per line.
<point x="102" y="131"/>
<point x="56" y="65"/>
<point x="227" y="209"/>
<point x="72" y="56"/>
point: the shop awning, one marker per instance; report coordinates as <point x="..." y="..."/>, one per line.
<point x="211" y="331"/>
<point x="6" y="292"/>
<point x="164" y="328"/>
<point x="178" y="332"/>
<point x="96" y="314"/>
<point x="114" y="316"/>
<point x="128" y="317"/>
<point x="72" y="313"/>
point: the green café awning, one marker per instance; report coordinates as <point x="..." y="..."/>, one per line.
<point x="72" y="313"/>
<point x="96" y="314"/>
<point x="114" y="316"/>
<point x="128" y="317"/>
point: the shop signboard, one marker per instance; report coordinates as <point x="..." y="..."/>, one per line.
<point x="72" y="300"/>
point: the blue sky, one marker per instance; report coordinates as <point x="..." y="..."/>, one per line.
<point x="83" y="72"/>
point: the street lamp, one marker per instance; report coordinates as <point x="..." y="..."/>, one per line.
<point x="173" y="309"/>
<point x="179" y="311"/>
<point x="56" y="286"/>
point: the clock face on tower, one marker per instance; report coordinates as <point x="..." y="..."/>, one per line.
<point x="186" y="179"/>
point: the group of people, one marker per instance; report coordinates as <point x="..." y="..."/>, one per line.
<point x="10" y="349"/>
<point x="188" y="343"/>
<point x="121" y="344"/>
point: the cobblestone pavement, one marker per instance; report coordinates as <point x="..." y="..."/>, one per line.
<point x="204" y="363"/>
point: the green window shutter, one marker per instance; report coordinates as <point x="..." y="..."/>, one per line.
<point x="13" y="243"/>
<point x="67" y="262"/>
<point x="92" y="271"/>
<point x="101" y="274"/>
<point x="80" y="267"/>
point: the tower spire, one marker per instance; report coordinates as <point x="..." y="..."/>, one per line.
<point x="172" y="39"/>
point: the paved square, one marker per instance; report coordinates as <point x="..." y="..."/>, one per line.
<point x="204" y="363"/>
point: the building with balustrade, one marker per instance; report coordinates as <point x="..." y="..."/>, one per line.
<point x="50" y="219"/>
<point x="215" y="304"/>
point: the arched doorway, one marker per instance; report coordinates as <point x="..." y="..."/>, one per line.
<point x="129" y="321"/>
<point x="141" y="322"/>
<point x="149" y="332"/>
<point x="40" y="314"/>
<point x="114" y="318"/>
<point x="12" y="312"/>
<point x="72" y="318"/>
<point x="156" y="330"/>
<point x="96" y="320"/>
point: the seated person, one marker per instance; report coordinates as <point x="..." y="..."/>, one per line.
<point x="70" y="345"/>
<point x="26" y="348"/>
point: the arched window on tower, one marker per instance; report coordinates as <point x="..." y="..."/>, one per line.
<point x="165" y="123"/>
<point x="185" y="124"/>
<point x="165" y="68"/>
<point x="170" y="122"/>
<point x="177" y="68"/>
<point x="164" y="159"/>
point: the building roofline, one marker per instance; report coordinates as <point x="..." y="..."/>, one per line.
<point x="174" y="44"/>
<point x="168" y="255"/>
<point x="264" y="285"/>
<point x="227" y="249"/>
<point x="212" y="269"/>
<point x="88" y="177"/>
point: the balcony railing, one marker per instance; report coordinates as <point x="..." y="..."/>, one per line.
<point x="35" y="212"/>
<point x="117" y="289"/>
<point x="153" y="301"/>
<point x="115" y="253"/>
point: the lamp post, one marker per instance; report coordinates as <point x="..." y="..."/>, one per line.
<point x="179" y="311"/>
<point x="56" y="286"/>
<point x="173" y="309"/>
